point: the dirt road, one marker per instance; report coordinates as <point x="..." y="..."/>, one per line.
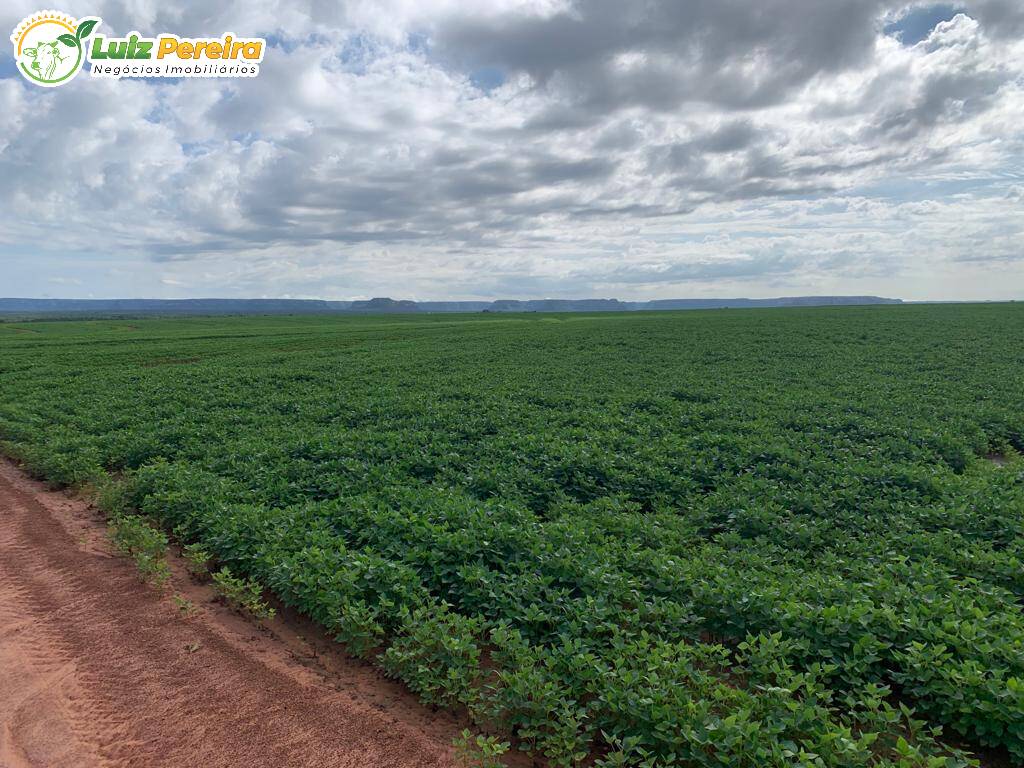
<point x="98" y="669"/>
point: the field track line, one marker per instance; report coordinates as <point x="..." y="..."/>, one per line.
<point x="98" y="669"/>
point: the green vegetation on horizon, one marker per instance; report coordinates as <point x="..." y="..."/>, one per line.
<point x="728" y="538"/>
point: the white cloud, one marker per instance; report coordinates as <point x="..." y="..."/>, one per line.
<point x="621" y="155"/>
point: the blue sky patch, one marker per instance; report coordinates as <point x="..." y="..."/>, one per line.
<point x="8" y="67"/>
<point x="918" y="23"/>
<point x="487" y="78"/>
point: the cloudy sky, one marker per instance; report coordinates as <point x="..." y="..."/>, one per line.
<point x="455" y="149"/>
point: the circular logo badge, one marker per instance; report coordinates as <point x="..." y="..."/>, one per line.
<point x="49" y="47"/>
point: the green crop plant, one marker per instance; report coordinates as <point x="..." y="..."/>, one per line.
<point x="185" y="606"/>
<point x="241" y="593"/>
<point x="197" y="560"/>
<point x="732" y="538"/>
<point x="147" y="546"/>
<point x="479" y="751"/>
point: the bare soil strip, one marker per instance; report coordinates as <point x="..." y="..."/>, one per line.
<point x="98" y="669"/>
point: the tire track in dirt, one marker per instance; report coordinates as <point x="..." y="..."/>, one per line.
<point x="97" y="669"/>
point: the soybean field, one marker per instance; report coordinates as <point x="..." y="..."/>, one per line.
<point x="783" y="537"/>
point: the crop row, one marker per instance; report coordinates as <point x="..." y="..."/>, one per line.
<point x="740" y="538"/>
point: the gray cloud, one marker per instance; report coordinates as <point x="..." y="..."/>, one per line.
<point x="727" y="52"/>
<point x="712" y="270"/>
<point x="371" y="147"/>
<point x="1002" y="18"/>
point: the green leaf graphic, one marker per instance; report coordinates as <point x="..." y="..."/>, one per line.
<point x="68" y="40"/>
<point x="85" y="28"/>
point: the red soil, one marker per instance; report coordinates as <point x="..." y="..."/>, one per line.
<point x="98" y="669"/>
